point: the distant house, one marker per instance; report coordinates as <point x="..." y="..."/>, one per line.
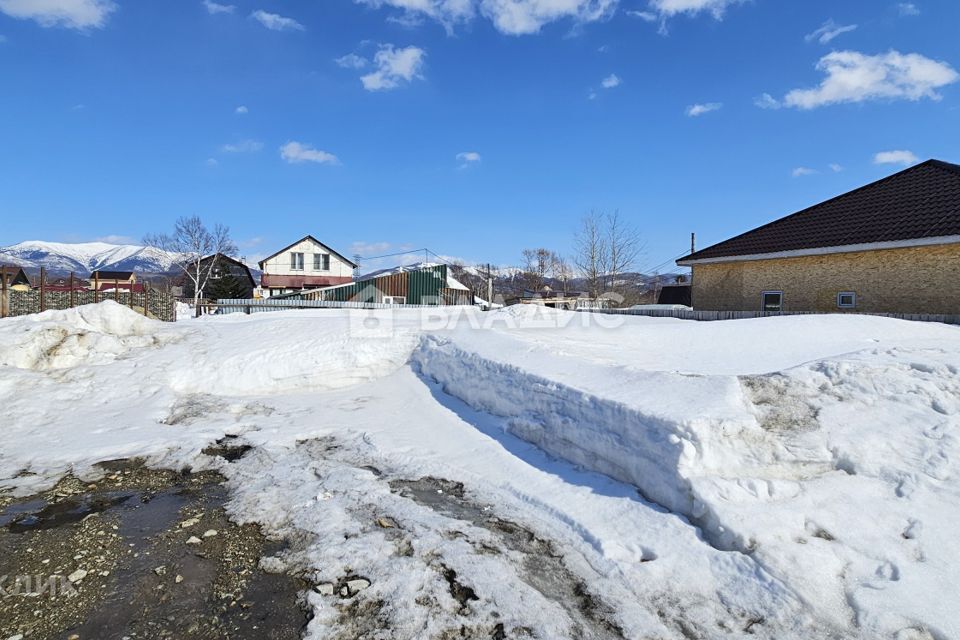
<point x="225" y="278"/>
<point x="426" y="284"/>
<point x="305" y="264"/>
<point x="66" y="284"/>
<point x="110" y="280"/>
<point x="16" y="279"/>
<point x="547" y="297"/>
<point x="892" y="246"/>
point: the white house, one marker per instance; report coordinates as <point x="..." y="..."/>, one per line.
<point x="305" y="264"/>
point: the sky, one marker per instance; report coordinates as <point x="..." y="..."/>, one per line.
<point x="474" y="128"/>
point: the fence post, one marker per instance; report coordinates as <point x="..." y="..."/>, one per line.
<point x="43" y="302"/>
<point x="96" y="287"/>
<point x="146" y="296"/>
<point x="73" y="294"/>
<point x="116" y="291"/>
<point x="3" y="291"/>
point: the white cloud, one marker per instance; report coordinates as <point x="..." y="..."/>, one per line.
<point x="244" y="146"/>
<point x="611" y="81"/>
<point x="908" y="9"/>
<point x="298" y="152"/>
<point x="276" y="22"/>
<point x="766" y="101"/>
<point x="668" y="8"/>
<point x="72" y="14"/>
<point x="212" y="162"/>
<point x="468" y="159"/>
<point x="906" y="158"/>
<point x="695" y="110"/>
<point x="241" y="110"/>
<point x="214" y="8"/>
<point x="352" y="61"/>
<point x="520" y="17"/>
<point x="803" y="171"/>
<point x="115" y="239"/>
<point x="828" y="31"/>
<point x="646" y="16"/>
<point x="361" y="248"/>
<point x="857" y="77"/>
<point x="394" y="67"/>
<point x="513" y="17"/>
<point x="836" y="168"/>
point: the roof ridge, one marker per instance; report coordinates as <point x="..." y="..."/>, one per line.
<point x="927" y="163"/>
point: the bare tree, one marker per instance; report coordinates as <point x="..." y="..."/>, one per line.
<point x="191" y="241"/>
<point x="624" y="248"/>
<point x="537" y="266"/>
<point x="590" y="257"/>
<point x="562" y="271"/>
<point x="606" y="248"/>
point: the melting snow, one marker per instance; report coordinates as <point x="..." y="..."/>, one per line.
<point x="539" y="472"/>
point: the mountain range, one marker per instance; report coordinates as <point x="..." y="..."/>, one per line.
<point x="83" y="258"/>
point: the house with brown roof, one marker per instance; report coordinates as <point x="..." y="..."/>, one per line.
<point x="305" y="264"/>
<point x="110" y="280"/>
<point x="892" y="246"/>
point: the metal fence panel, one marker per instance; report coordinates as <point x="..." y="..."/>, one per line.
<point x="710" y="316"/>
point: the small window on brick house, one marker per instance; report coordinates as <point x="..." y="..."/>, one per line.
<point x="772" y="301"/>
<point x="847" y="300"/>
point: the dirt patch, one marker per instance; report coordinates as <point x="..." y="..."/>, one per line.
<point x="139" y="554"/>
<point x="543" y="567"/>
<point x="782" y="406"/>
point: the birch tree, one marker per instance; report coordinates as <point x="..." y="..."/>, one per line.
<point x="191" y="241"/>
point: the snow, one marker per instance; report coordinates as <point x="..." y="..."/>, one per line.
<point x="86" y="257"/>
<point x="778" y="477"/>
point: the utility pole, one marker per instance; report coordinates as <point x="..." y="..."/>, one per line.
<point x="3" y="291"/>
<point x="693" y="243"/>
<point x="489" y="286"/>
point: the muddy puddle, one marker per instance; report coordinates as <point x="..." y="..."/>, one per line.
<point x="139" y="554"/>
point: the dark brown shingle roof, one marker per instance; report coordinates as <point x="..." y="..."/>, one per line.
<point x="920" y="202"/>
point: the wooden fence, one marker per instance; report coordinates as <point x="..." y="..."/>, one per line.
<point x="150" y="302"/>
<point x="709" y="316"/>
<point x="226" y="306"/>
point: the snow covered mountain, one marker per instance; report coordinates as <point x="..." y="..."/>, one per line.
<point x="83" y="258"/>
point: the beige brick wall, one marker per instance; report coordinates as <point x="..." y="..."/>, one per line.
<point x="913" y="280"/>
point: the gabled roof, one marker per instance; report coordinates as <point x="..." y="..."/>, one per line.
<point x="312" y="239"/>
<point x="222" y="257"/>
<point x="14" y="273"/>
<point x="920" y="205"/>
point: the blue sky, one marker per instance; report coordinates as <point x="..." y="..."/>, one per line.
<point x="473" y="127"/>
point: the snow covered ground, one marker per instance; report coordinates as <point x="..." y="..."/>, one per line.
<point x="531" y="473"/>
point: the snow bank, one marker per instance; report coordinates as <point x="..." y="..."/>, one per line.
<point x="836" y="475"/>
<point x="92" y="334"/>
<point x="295" y="351"/>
